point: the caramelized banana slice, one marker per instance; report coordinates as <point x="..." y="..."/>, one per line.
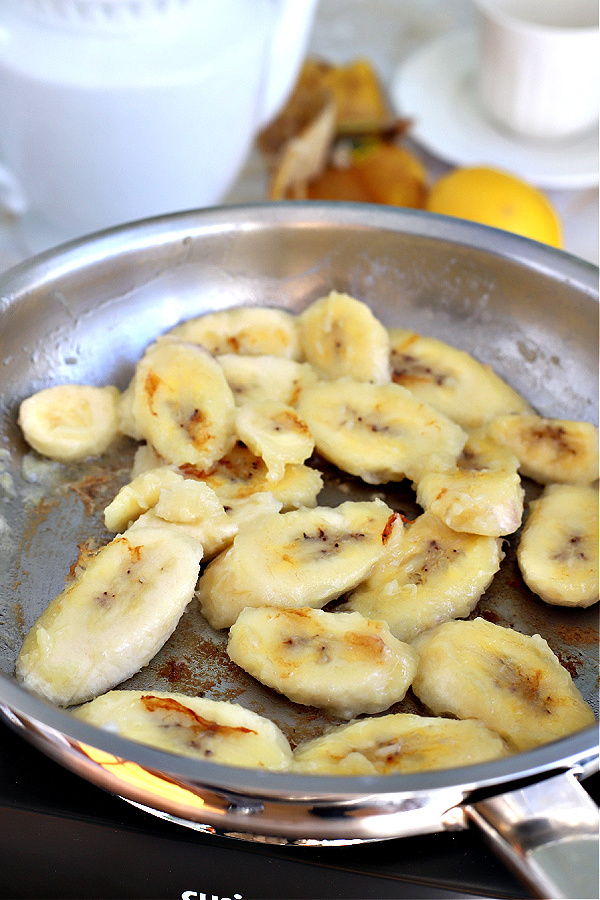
<point x="216" y="730"/>
<point x="482" y="494"/>
<point x="558" y="550"/>
<point x="276" y="433"/>
<point x="550" y="450"/>
<point x="182" y="404"/>
<point x="192" y="508"/>
<point x="140" y="495"/>
<point x="240" y="474"/>
<point x="253" y="378"/>
<point x="379" y="432"/>
<point x="451" y="380"/>
<point x="112" y="619"/>
<point x="250" y="330"/>
<point x="398" y="744"/>
<point x="340" y="662"/>
<point x="511" y="682"/>
<point x="340" y="336"/>
<point x="305" y="557"/>
<point x="427" y="574"/>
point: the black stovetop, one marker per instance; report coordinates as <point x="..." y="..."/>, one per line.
<point x="61" y="837"/>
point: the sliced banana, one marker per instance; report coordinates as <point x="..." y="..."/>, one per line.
<point x="245" y="511"/>
<point x="305" y="557"/>
<point x="140" y="495"/>
<point x="398" y="744"/>
<point x="145" y="458"/>
<point x="183" y="405"/>
<point x="193" y="508"/>
<point x="427" y="574"/>
<point x="70" y="422"/>
<point x="249" y="330"/>
<point x="340" y="662"/>
<point x="550" y="450"/>
<point x="276" y="433"/>
<point x="482" y="494"/>
<point x="511" y="682"/>
<point x="216" y="730"/>
<point x="125" y="415"/>
<point x="454" y="382"/>
<point x="240" y="474"/>
<point x="558" y="549"/>
<point x="379" y="432"/>
<point x="266" y="377"/>
<point x="340" y="336"/>
<point x="112" y="619"/>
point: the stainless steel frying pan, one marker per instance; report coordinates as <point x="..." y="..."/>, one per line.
<point x="86" y="311"/>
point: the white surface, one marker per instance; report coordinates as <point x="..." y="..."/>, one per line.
<point x="436" y="87"/>
<point x="386" y="32"/>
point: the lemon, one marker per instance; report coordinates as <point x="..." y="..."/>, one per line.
<point x="499" y="199"/>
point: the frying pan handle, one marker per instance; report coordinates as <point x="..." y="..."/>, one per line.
<point x="547" y="833"/>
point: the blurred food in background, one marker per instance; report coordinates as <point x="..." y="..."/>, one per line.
<point x="338" y="139"/>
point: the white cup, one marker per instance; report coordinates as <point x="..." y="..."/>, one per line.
<point x="112" y="110"/>
<point x="538" y="73"/>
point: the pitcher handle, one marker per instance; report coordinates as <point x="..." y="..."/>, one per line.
<point x="293" y="23"/>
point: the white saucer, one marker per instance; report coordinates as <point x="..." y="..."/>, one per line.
<point x="435" y="88"/>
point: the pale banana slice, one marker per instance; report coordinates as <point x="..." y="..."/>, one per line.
<point x="145" y="458"/>
<point x="240" y="474"/>
<point x="340" y="336"/>
<point x="550" y="450"/>
<point x="511" y="682"/>
<point x="70" y="422"/>
<point x="112" y="619"/>
<point x="451" y="380"/>
<point x="305" y="557"/>
<point x="398" y="744"/>
<point x="427" y="574"/>
<point x="379" y="432"/>
<point x="482" y="494"/>
<point x="276" y="433"/>
<point x="216" y="730"/>
<point x="183" y="405"/>
<point x="140" y="495"/>
<point x="245" y="511"/>
<point x="558" y="549"/>
<point x="340" y="662"/>
<point x="250" y="330"/>
<point x="193" y="508"/>
<point x="266" y="377"/>
<point x="125" y="416"/>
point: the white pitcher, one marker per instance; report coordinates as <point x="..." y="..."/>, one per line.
<point x="115" y="110"/>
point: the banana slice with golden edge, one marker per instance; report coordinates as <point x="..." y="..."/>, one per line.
<point x="250" y="330"/>
<point x="558" y="549"/>
<point x="550" y="450"/>
<point x="379" y="432"/>
<point x="217" y="730"/>
<point x="276" y="433"/>
<point x="70" y="422"/>
<point x="140" y="495"/>
<point x="427" y="574"/>
<point x="511" y="682"/>
<point x="305" y="557"/>
<point x="340" y="336"/>
<point x="266" y="377"/>
<point x="340" y="662"/>
<point x="191" y="507"/>
<point x="182" y="404"/>
<point x="454" y="382"/>
<point x="112" y="619"/>
<point x="482" y="494"/>
<point x="398" y="744"/>
<point x="240" y="474"/>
